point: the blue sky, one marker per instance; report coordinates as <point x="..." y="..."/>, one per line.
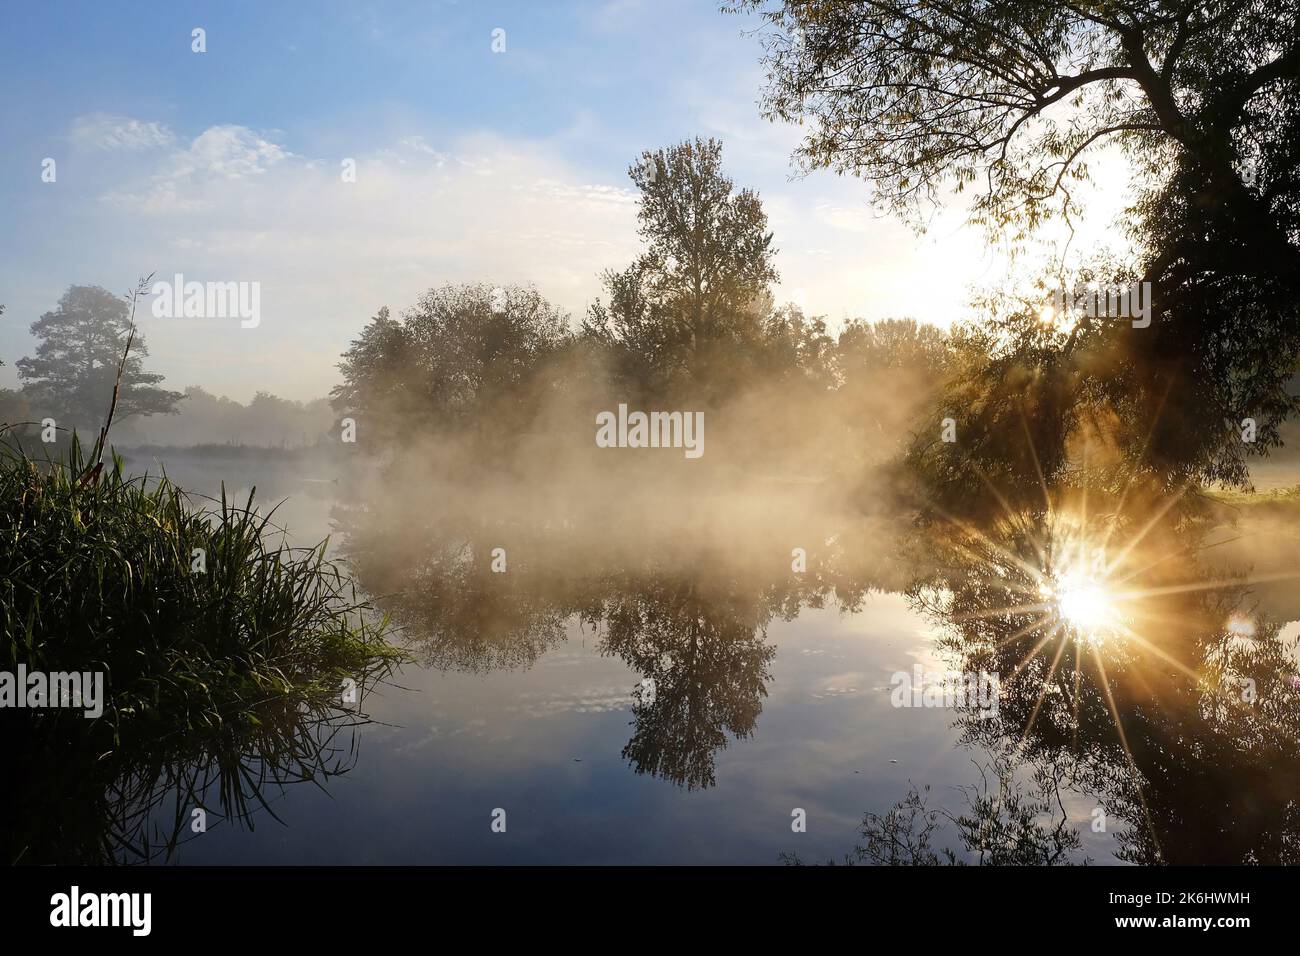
<point x="472" y="165"/>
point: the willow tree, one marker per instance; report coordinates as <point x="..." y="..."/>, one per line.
<point x="1012" y="98"/>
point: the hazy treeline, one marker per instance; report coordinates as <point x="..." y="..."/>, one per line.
<point x="691" y="324"/>
<point x="204" y="418"/>
<point x="479" y="406"/>
<point x="201" y="418"/>
<point x="71" y="377"/>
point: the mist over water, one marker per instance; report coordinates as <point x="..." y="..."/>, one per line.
<point x="757" y="433"/>
<point x="771" y="675"/>
<point x="686" y="653"/>
<point x="745" y="504"/>
<point x="648" y="656"/>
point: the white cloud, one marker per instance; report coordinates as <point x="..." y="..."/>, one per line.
<point x="180" y="181"/>
<point x="109" y="132"/>
<point x="417" y="144"/>
<point x="236" y="205"/>
<point x="230" y="151"/>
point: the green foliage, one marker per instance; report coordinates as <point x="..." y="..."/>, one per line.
<point x="1007" y="98"/>
<point x="75" y="366"/>
<point x="1224" y="346"/>
<point x="96" y="575"/>
<point x="699" y="297"/>
<point x="794" y="348"/>
<point x="457" y="351"/>
<point x="1011" y="398"/>
<point x="692" y="321"/>
<point x="879" y="347"/>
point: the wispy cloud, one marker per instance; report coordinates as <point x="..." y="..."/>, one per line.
<point x="234" y="204"/>
<point x="104" y="131"/>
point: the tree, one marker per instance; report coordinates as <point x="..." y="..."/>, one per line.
<point x="702" y="285"/>
<point x="886" y="371"/>
<point x="890" y="345"/>
<point x="796" y="347"/>
<point x="460" y="348"/>
<point x="376" y="369"/>
<point x="1009" y="97"/>
<point x="1225" y="347"/>
<point x="13" y="408"/>
<point x="1010" y="94"/>
<point x="72" y="374"/>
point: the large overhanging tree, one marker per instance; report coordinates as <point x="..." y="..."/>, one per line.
<point x="1011" y="98"/>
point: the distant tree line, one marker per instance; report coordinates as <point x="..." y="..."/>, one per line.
<point x="71" y="376"/>
<point x="691" y="322"/>
<point x="266" y="420"/>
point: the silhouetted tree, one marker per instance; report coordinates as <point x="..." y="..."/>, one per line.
<point x="71" y="376"/>
<point x="1008" y="98"/>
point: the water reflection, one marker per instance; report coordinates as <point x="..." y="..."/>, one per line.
<point x="1147" y="686"/>
<point x="1143" y="684"/>
<point x="477" y="591"/>
<point x="83" y="799"/>
<point x="701" y="646"/>
<point x="1126" y="680"/>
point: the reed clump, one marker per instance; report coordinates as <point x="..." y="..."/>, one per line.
<point x="198" y="613"/>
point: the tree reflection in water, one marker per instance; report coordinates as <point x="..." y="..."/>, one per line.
<point x="691" y="618"/>
<point x="1183" y="726"/>
<point x="1105" y="617"/>
<point x="83" y="800"/>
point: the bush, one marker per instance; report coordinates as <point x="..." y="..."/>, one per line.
<point x="96" y="576"/>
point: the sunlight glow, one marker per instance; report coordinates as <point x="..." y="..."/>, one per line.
<point x="1085" y="605"/>
<point x="1060" y="321"/>
<point x="1239" y="625"/>
<point x="1082" y="596"/>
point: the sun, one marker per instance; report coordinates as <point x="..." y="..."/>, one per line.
<point x="1082" y="602"/>
<point x="1086" y="605"/>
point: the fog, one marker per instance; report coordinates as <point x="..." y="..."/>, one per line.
<point x="784" y="466"/>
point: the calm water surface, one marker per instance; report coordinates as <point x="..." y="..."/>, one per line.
<point x="795" y="715"/>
